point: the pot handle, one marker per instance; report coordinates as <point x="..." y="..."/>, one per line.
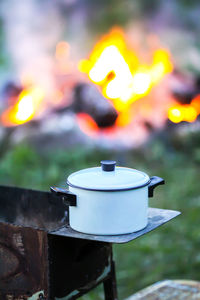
<point x="154" y="182"/>
<point x="69" y="198"/>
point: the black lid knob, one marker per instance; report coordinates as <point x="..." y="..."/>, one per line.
<point x="108" y="165"/>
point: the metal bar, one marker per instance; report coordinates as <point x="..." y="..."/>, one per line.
<point x="110" y="284"/>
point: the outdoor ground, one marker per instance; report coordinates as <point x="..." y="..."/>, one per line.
<point x="172" y="251"/>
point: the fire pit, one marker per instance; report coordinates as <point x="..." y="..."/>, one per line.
<point x="41" y="257"/>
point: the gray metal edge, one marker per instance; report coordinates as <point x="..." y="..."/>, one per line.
<point x="156" y="218"/>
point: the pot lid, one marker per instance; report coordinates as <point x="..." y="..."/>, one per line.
<point x="108" y="178"/>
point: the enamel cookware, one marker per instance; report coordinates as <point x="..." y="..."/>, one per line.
<point x="108" y="200"/>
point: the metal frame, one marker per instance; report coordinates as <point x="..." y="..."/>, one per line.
<point x="41" y="257"/>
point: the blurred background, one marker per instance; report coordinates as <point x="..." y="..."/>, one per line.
<point x="82" y="81"/>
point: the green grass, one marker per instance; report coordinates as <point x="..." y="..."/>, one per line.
<point x="172" y="251"/>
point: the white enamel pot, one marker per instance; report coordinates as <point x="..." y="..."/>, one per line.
<point x="108" y="200"/>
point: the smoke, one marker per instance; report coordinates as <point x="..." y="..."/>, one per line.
<point x="32" y="29"/>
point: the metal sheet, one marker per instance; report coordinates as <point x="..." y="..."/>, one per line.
<point x="30" y="208"/>
<point x="156" y="218"/>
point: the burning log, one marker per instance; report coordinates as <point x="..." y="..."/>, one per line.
<point x="54" y="125"/>
<point x="87" y="99"/>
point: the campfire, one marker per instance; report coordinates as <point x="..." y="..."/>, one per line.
<point x="124" y="76"/>
<point x="133" y="80"/>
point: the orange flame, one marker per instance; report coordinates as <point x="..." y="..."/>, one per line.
<point x="87" y="124"/>
<point x="120" y="74"/>
<point x="185" y="112"/>
<point x="25" y="108"/>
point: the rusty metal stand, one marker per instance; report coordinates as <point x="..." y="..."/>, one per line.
<point x="51" y="260"/>
<point x="110" y="285"/>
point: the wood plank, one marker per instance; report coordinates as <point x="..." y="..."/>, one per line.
<point x="170" y="290"/>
